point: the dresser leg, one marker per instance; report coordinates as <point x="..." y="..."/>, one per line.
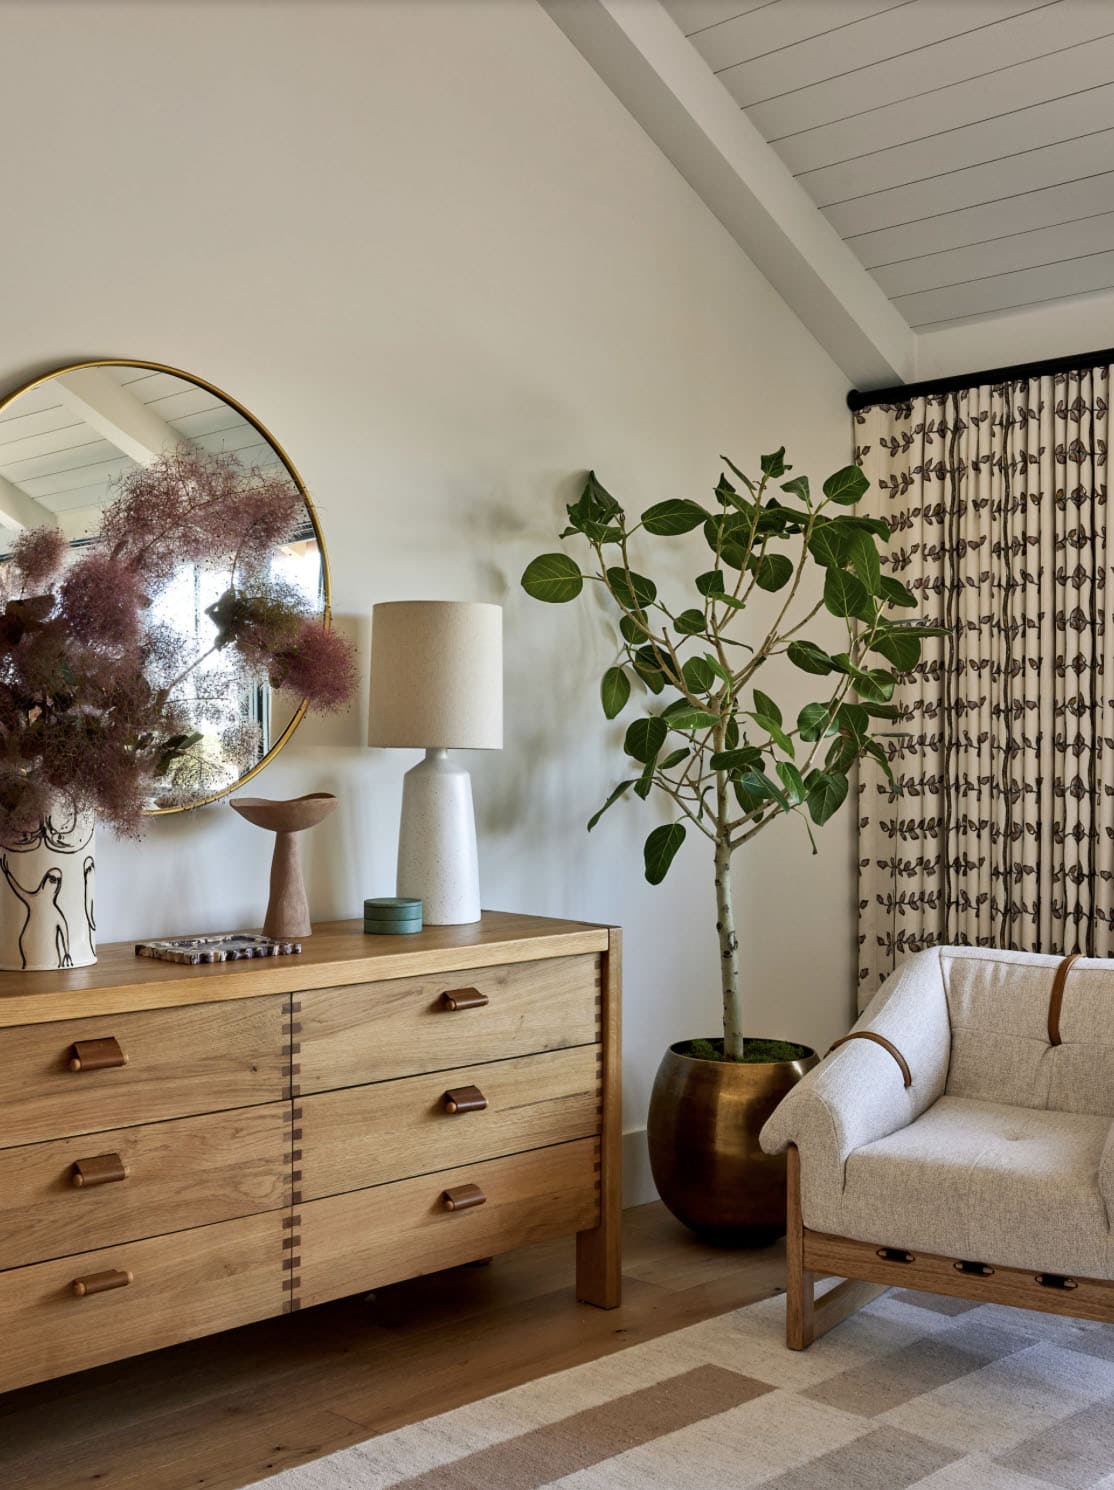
<point x="599" y="1264"/>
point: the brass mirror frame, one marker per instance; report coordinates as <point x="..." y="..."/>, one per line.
<point x="291" y="471"/>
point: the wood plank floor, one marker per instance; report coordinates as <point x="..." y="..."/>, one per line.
<point x="223" y="1412"/>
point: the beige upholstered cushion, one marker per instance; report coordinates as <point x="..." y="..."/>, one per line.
<point x="987" y="1182"/>
<point x="998" y="1008"/>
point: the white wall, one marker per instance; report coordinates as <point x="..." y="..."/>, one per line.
<point x="428" y="248"/>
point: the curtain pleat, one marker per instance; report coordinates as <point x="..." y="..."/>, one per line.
<point x="1002" y="832"/>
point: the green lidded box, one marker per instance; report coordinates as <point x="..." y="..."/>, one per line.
<point x="392" y="915"/>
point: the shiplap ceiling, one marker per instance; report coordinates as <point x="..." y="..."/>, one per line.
<point x="963" y="149"/>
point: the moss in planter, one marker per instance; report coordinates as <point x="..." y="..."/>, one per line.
<point x="755" y="1052"/>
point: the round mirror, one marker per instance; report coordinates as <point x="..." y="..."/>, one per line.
<point x="111" y="435"/>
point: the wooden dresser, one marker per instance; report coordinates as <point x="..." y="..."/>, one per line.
<point x="184" y="1149"/>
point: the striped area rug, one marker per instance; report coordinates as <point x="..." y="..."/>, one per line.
<point x="915" y="1390"/>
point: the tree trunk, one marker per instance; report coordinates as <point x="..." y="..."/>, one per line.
<point x="725" y="926"/>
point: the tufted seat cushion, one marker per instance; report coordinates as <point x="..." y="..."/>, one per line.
<point x="987" y="1182"/>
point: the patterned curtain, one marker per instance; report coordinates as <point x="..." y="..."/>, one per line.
<point x="1003" y="831"/>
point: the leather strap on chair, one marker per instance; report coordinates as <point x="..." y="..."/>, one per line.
<point x="1056" y="1002"/>
<point x="906" y="1074"/>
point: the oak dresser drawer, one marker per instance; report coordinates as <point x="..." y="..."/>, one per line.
<point x="374" y="1031"/>
<point x="182" y="1286"/>
<point x="200" y="1058"/>
<point x="98" y="1190"/>
<point x="371" y="1237"/>
<point x="370" y="1135"/>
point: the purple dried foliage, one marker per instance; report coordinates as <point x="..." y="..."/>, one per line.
<point x="93" y="704"/>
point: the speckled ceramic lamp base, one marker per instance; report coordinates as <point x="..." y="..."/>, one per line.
<point x="437" y="858"/>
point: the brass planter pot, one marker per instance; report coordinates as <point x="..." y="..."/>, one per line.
<point x="705" y="1118"/>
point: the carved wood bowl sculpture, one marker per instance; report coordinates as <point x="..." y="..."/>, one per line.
<point x="287" y="908"/>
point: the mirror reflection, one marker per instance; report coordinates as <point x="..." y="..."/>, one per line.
<point x="76" y="442"/>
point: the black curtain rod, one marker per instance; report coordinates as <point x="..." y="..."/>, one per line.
<point x="860" y="399"/>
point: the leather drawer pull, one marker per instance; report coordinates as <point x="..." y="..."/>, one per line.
<point x="1056" y="1281"/>
<point x="891" y="1049"/>
<point x="100" y="1282"/>
<point x="101" y="1169"/>
<point x="465" y="1099"/>
<point x="463" y="998"/>
<point x="895" y="1254"/>
<point x="1056" y="1002"/>
<point x="96" y="1055"/>
<point x="463" y="1198"/>
<point x="974" y="1269"/>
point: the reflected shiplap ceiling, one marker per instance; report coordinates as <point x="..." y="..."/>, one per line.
<point x="55" y="460"/>
<point x="963" y="149"/>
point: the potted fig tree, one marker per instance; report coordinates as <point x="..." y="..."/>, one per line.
<point x="728" y="762"/>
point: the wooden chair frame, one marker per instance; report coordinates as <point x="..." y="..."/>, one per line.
<point x="870" y="1268"/>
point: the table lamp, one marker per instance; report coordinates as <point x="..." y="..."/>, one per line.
<point x="437" y="683"/>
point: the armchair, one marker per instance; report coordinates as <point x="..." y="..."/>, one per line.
<point x="989" y="1173"/>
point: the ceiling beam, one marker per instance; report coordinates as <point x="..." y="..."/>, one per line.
<point x="642" y="55"/>
<point x="19" y="511"/>
<point x="117" y="415"/>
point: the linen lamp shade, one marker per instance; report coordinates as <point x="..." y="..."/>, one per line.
<point x="436" y="675"/>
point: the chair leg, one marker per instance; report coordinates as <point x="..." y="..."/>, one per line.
<point x="800" y="1321"/>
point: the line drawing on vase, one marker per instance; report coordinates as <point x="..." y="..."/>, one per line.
<point x="87" y="870"/>
<point x="58" y="840"/>
<point x="33" y="905"/>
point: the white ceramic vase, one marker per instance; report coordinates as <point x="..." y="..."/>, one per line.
<point x="47" y="919"/>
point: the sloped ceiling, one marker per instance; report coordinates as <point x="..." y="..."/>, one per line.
<point x="907" y="173"/>
<point x="963" y="149"/>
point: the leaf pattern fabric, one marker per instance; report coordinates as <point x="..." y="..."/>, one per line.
<point x="1003" y="831"/>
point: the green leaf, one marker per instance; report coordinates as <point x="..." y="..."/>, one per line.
<point x="686" y="718"/>
<point x="674" y="758"/>
<point x="893" y="591"/>
<point x="798" y="487"/>
<point x="775" y="732"/>
<point x="826" y="795"/>
<point x="773" y="571"/>
<point x="864" y="561"/>
<point x="634" y="591"/>
<point x="736" y="760"/>
<point x="853" y="719"/>
<point x="881" y="711"/>
<point x="731" y="733"/>
<point x="631" y="631"/>
<point x="554" y="578"/>
<point x="690" y="623"/>
<point x="815" y="720"/>
<point x="809" y="658"/>
<point x="844" y="595"/>
<point x="698" y="676"/>
<point x="764" y="705"/>
<point x="774" y="465"/>
<point x="745" y="479"/>
<point x="902" y="648"/>
<point x="614" y="797"/>
<point x="846" y="486"/>
<point x="757" y="786"/>
<point x="875" y="684"/>
<point x="661" y="849"/>
<point x="720" y="671"/>
<point x="645" y="737"/>
<point x="614" y="691"/>
<point x="829" y="545"/>
<point x="857" y="520"/>
<point x="667" y="519"/>
<point x="790" y="778"/>
<point x="710" y="583"/>
<point x="646" y="666"/>
<point x="875" y="751"/>
<point x="595" y="513"/>
<point x="644" y="785"/>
